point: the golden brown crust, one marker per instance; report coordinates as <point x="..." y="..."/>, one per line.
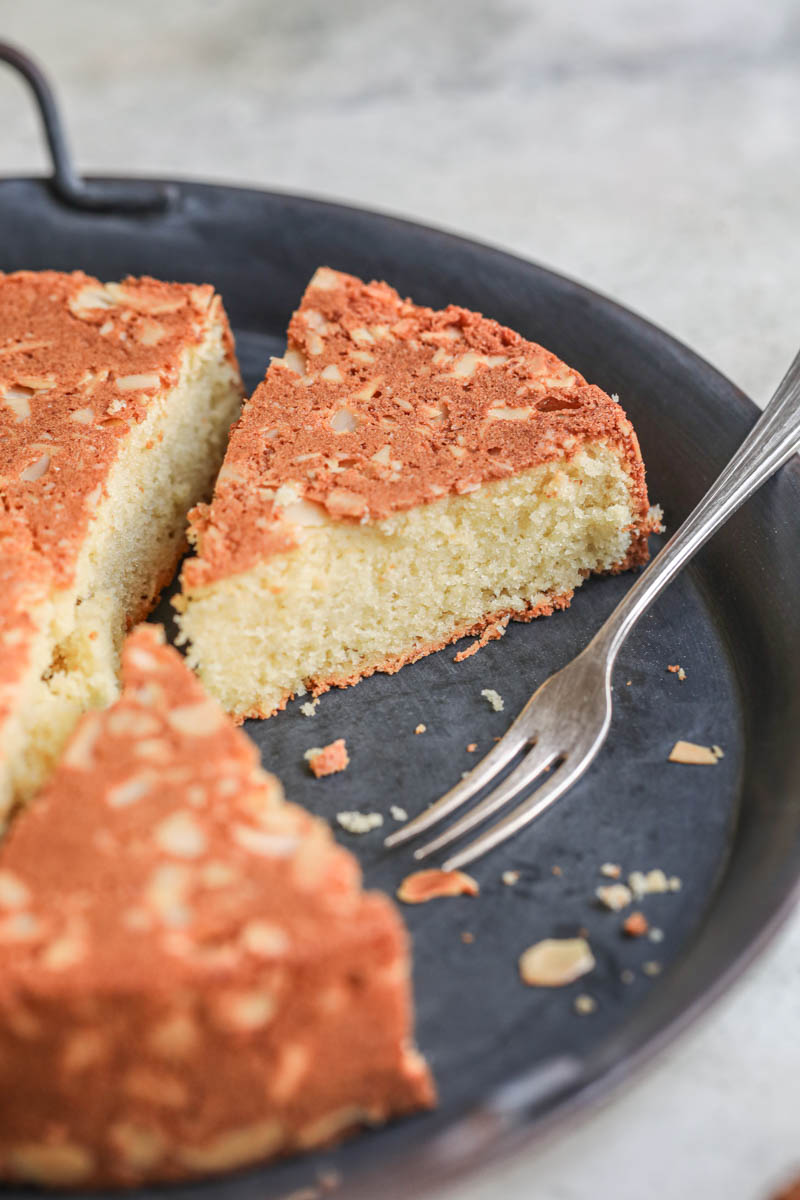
<point x="381" y="405"/>
<point x="190" y="975"/>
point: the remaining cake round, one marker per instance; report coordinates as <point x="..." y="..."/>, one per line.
<point x="115" y="405"/>
<point x="191" y="978"/>
<point x="401" y="478"/>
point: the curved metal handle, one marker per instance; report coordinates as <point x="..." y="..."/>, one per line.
<point x="73" y="190"/>
<point x="772" y="441"/>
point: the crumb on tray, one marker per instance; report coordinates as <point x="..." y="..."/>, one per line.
<point x="358" y="822"/>
<point x="327" y="760"/>
<point x="494" y="698"/>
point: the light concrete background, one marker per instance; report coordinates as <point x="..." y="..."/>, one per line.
<point x="647" y="147"/>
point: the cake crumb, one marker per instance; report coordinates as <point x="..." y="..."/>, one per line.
<point x="472" y="747"/>
<point x="650" y="883"/>
<point x="693" y="755"/>
<point x="627" y="976"/>
<point x="509" y="878"/>
<point x="555" y="962"/>
<point x="651" y="968"/>
<point x="584" y="1004"/>
<point x="327" y="760"/>
<point x="421" y="886"/>
<point x="678" y="670"/>
<point x="628" y="682"/>
<point x="656" y="935"/>
<point x="615" y="896"/>
<point x="420" y="728"/>
<point x="467" y="937"/>
<point x="636" y="925"/>
<point x="398" y="813"/>
<point x="309" y="709"/>
<point x="494" y="698"/>
<point x="556" y="870"/>
<point x="611" y="870"/>
<point x="358" y="822"/>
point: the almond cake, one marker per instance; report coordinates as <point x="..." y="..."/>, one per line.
<point x="401" y="478"/>
<point x="115" y="405"/>
<point x="191" y="977"/>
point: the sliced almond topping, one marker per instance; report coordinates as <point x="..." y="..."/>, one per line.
<point x="234" y="1148"/>
<point x="295" y="361"/>
<point x="556" y="962"/>
<point x="151" y="333"/>
<point x="13" y="892"/>
<point x="35" y="470"/>
<point x="344" y="421"/>
<point x="422" y="886"/>
<point x="264" y="939"/>
<point x="62" y="1163"/>
<point x="196" y="720"/>
<point x="131" y="790"/>
<point x="138" y="383"/>
<point x="82" y="416"/>
<point x="180" y="834"/>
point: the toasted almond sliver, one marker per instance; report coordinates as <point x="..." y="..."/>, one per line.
<point x="693" y="755"/>
<point x="556" y="962"/>
<point x="422" y="886"/>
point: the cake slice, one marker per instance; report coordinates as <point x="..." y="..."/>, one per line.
<point x="115" y="405"/>
<point x="191" y="978"/>
<point x="401" y="478"/>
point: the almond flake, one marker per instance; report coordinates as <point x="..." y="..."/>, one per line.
<point x="421" y="886"/>
<point x="692" y="755"/>
<point x="555" y="962"/>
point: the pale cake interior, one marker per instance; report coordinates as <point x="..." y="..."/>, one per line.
<point x="353" y="598"/>
<point x="167" y="462"/>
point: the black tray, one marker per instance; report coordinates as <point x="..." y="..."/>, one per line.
<point x="511" y="1060"/>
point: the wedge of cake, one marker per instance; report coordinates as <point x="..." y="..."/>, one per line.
<point x="401" y="478"/>
<point x="115" y="405"/>
<point x="191" y="978"/>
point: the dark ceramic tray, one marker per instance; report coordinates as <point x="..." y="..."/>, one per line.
<point x="511" y="1060"/>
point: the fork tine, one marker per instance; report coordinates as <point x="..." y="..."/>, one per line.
<point x="539" y="759"/>
<point x="510" y="744"/>
<point x="559" y="782"/>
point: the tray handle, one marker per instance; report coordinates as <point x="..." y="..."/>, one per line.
<point x="71" y="188"/>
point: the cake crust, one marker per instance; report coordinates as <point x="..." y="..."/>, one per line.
<point x="191" y="978"/>
<point x="79" y="362"/>
<point x="98" y="384"/>
<point x="380" y="405"/>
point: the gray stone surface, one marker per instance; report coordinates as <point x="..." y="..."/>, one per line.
<point x="648" y="148"/>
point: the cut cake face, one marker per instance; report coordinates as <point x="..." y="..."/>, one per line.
<point x="191" y="978"/>
<point x="401" y="478"/>
<point x="115" y="405"/>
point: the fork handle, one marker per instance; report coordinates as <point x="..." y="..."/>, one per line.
<point x="771" y="442"/>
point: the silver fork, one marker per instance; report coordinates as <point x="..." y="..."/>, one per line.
<point x="566" y="719"/>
